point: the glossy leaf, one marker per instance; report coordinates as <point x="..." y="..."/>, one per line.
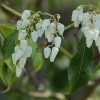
<point x="9" y="77"/>
<point x="79" y="71"/>
<point x="8" y="44"/>
<point x="36" y="56"/>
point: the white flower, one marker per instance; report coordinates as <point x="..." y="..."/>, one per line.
<point x="96" y="34"/>
<point x="60" y="28"/>
<point x="23" y="44"/>
<point x="25" y="14"/>
<point x="76" y="23"/>
<point x="13" y="58"/>
<point x="25" y="23"/>
<point x="39" y="29"/>
<point x="22" y="34"/>
<point x="17" y="48"/>
<point x="19" y="54"/>
<point x="57" y="41"/>
<point x="74" y="15"/>
<point x="18" y="71"/>
<point x="22" y="61"/>
<point x="48" y="35"/>
<point x="97" y="41"/>
<point x="89" y="42"/>
<point x="34" y="36"/>
<point x="28" y="51"/>
<point x="47" y="52"/>
<point x="85" y="30"/>
<point x="52" y="28"/>
<point x="19" y="23"/>
<point x="53" y="53"/>
<point x="46" y="23"/>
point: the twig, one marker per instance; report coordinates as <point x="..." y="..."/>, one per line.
<point x="65" y="52"/>
<point x="10" y="10"/>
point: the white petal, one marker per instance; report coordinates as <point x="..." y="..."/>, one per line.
<point x="19" y="23"/>
<point x="23" y="44"/>
<point x="28" y="51"/>
<point x="40" y="32"/>
<point x="17" y="48"/>
<point x="76" y="23"/>
<point x="25" y="23"/>
<point x="13" y="58"/>
<point x="89" y="43"/>
<point x="25" y="14"/>
<point x="47" y="52"/>
<point x="85" y="30"/>
<point x="52" y="26"/>
<point x="34" y="36"/>
<point x="53" y="53"/>
<point x="96" y="34"/>
<point x="18" y="71"/>
<point x="57" y="41"/>
<point x="22" y="34"/>
<point x="19" y="54"/>
<point x="48" y="35"/>
<point x="38" y="26"/>
<point x="74" y="15"/>
<point x="60" y="28"/>
<point x="45" y="24"/>
<point x="90" y="35"/>
<point x="97" y="41"/>
<point x="22" y="62"/>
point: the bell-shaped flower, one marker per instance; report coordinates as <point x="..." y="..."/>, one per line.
<point x="85" y="30"/>
<point x="74" y="15"/>
<point x="90" y="35"/>
<point x="16" y="48"/>
<point x="25" y="23"/>
<point x="38" y="26"/>
<point x="48" y="35"/>
<point x="19" y="23"/>
<point x="76" y="23"/>
<point x="25" y="14"/>
<point x="52" y="28"/>
<point x="89" y="42"/>
<point x="22" y="61"/>
<point x="28" y="51"/>
<point x="60" y="28"/>
<point x="34" y="36"/>
<point x="46" y="23"/>
<point x="54" y="53"/>
<point x="23" y="44"/>
<point x="40" y="32"/>
<point x="57" y="41"/>
<point x="96" y="34"/>
<point x="47" y="52"/>
<point x="22" y="34"/>
<point x="13" y="58"/>
<point x="18" y="71"/>
<point x="19" y="54"/>
<point x="97" y="41"/>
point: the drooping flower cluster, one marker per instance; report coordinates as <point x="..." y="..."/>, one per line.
<point x="90" y="22"/>
<point x="32" y="25"/>
<point x="50" y="30"/>
<point x="22" y="50"/>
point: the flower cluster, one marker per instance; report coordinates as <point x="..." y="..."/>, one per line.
<point x="90" y="22"/>
<point x="50" y="30"/>
<point x="22" y="50"/>
<point x="32" y="25"/>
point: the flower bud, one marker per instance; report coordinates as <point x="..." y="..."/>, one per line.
<point x="25" y="14"/>
<point x="18" y="71"/>
<point x="28" y="51"/>
<point x="34" y="36"/>
<point x="45" y="24"/>
<point x="22" y="34"/>
<point x="53" y="53"/>
<point x="57" y="41"/>
<point x="23" y="44"/>
<point x="58" y="16"/>
<point x="47" y="52"/>
<point x="22" y="61"/>
<point x="60" y="28"/>
<point x="19" y="23"/>
<point x="19" y="54"/>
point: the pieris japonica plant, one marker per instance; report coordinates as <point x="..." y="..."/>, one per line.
<point x="38" y="32"/>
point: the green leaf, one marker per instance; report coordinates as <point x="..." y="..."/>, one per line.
<point x="36" y="56"/>
<point x="79" y="71"/>
<point x="8" y="44"/>
<point x="5" y="29"/>
<point x="9" y="77"/>
<point x="10" y="64"/>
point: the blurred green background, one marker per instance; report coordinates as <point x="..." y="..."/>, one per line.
<point x="52" y="76"/>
